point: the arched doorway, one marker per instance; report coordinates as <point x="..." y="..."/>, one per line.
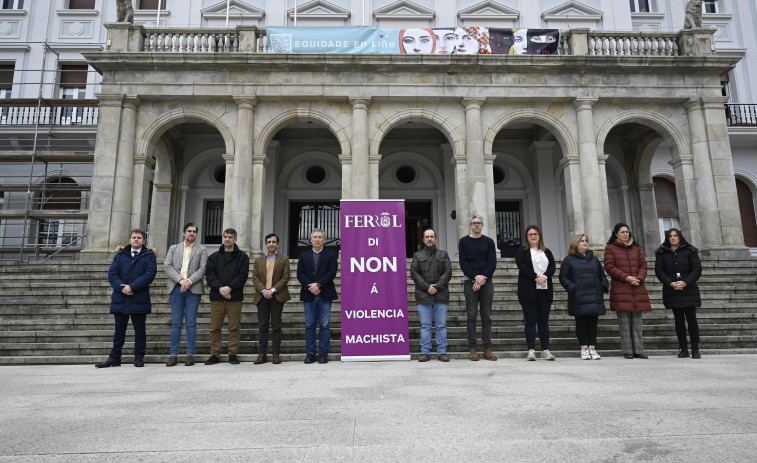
<point x="666" y="201"/>
<point x="748" y="220"/>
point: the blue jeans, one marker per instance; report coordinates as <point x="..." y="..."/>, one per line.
<point x="317" y="311"/>
<point x="183" y="309"/>
<point x="427" y="313"/>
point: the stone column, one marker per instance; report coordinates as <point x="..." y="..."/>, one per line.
<point x="722" y="172"/>
<point x="374" y="161"/>
<point x="183" y="205"/>
<point x="120" y="222"/>
<point x="462" y="216"/>
<point x="346" y="176"/>
<point x="241" y="203"/>
<point x="259" y="163"/>
<point x="573" y="196"/>
<point x="141" y="190"/>
<point x="542" y="151"/>
<point x="103" y="172"/>
<point x="159" y="218"/>
<point x="476" y="168"/>
<point x="591" y="185"/>
<point x="683" y="169"/>
<point x="707" y="201"/>
<point x="491" y="213"/>
<point x="602" y="159"/>
<point x="361" y="178"/>
<point x="626" y="205"/>
<point x="227" y="193"/>
<point x="649" y="220"/>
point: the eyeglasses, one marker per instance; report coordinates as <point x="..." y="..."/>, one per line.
<point x="533" y="234"/>
<point x="476" y="223"/>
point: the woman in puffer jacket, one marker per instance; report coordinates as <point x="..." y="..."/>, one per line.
<point x="627" y="267"/>
<point x="678" y="268"/>
<point x="582" y="277"/>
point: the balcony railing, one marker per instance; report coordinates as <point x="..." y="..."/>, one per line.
<point x="741" y="115"/>
<point x="69" y="114"/>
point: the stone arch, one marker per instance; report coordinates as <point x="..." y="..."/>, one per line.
<point x="293" y="115"/>
<point x="177" y="116"/>
<point x="655" y="121"/>
<point x="562" y="134"/>
<point x="410" y="157"/>
<point x="196" y="166"/>
<point x="425" y="116"/>
<point x="290" y="168"/>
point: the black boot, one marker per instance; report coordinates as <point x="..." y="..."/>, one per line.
<point x="695" y="351"/>
<point x="684" y="352"/>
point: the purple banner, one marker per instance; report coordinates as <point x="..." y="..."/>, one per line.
<point x="374" y="281"/>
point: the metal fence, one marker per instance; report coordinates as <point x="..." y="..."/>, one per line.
<point x="741" y="115"/>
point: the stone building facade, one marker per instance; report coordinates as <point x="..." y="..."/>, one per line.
<point x="263" y="142"/>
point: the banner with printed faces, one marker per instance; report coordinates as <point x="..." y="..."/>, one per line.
<point x="374" y="281"/>
<point x="436" y="41"/>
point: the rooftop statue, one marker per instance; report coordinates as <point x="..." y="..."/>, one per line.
<point x="126" y="11"/>
<point x="693" y="19"/>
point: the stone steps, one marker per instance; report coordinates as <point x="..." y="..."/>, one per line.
<point x="58" y="313"/>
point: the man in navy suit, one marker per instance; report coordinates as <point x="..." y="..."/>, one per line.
<point x="316" y="271"/>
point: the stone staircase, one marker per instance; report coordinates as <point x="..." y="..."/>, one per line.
<point x="58" y="313"/>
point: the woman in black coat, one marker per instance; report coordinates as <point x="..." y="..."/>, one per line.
<point x="536" y="266"/>
<point x="583" y="278"/>
<point x="678" y="268"/>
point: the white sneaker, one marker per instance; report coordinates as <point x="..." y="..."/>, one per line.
<point x="585" y="354"/>
<point x="594" y="355"/>
<point x="531" y="355"/>
<point x="547" y="355"/>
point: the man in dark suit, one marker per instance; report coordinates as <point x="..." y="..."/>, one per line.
<point x="316" y="271"/>
<point x="270" y="275"/>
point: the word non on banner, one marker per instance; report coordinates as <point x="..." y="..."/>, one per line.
<point x="374" y="281"/>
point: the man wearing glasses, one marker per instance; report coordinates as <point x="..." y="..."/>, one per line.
<point x="478" y="260"/>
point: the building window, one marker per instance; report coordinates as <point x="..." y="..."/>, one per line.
<point x="710" y="6"/>
<point x="151" y="5"/>
<point x="641" y="6"/>
<point x="13" y="4"/>
<point x="73" y="81"/>
<point x="81" y="4"/>
<point x="6" y="86"/>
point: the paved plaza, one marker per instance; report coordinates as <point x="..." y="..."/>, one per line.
<point x="661" y="409"/>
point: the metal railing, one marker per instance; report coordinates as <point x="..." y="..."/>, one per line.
<point x="55" y="115"/>
<point x="741" y="115"/>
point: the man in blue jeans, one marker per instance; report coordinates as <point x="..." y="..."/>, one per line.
<point x="316" y="270"/>
<point x="185" y="267"/>
<point x="431" y="271"/>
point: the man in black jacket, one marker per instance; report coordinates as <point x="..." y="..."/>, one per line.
<point x="431" y="271"/>
<point x="226" y="272"/>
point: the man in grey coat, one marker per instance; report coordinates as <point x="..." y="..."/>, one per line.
<point x="431" y="271"/>
<point x="185" y="268"/>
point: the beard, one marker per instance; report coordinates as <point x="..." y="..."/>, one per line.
<point x="431" y="247"/>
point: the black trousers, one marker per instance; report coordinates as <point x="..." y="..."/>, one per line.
<point x="269" y="310"/>
<point x="537" y="313"/>
<point x="119" y="336"/>
<point x="683" y="315"/>
<point x="586" y="330"/>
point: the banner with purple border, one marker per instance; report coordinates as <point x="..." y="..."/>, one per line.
<point x="374" y="281"/>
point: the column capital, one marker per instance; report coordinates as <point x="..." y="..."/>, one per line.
<point x="184" y="188"/>
<point x="149" y="161"/>
<point x="345" y="159"/>
<point x="461" y="160"/>
<point x="260" y="159"/>
<point x="646" y="186"/>
<point x="569" y="159"/>
<point x="229" y="158"/>
<point x="585" y="103"/>
<point x="360" y="103"/>
<point x="245" y="101"/>
<point x="602" y="158"/>
<point x="110" y="99"/>
<point x="681" y="160"/>
<point x="693" y="104"/>
<point x="541" y="145"/>
<point x="131" y="102"/>
<point x="374" y="158"/>
<point x="473" y="103"/>
<point x="163" y="187"/>
<point x="489" y="158"/>
<point x="714" y="102"/>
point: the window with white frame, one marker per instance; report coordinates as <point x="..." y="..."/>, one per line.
<point x="81" y="4"/>
<point x="72" y="85"/>
<point x="151" y="5"/>
<point x="6" y="86"/>
<point x="711" y="6"/>
<point x="13" y="4"/>
<point x="642" y="6"/>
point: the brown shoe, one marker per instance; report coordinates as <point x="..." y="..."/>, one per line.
<point x="276" y="359"/>
<point x="628" y="356"/>
<point x="474" y="355"/>
<point x="190" y="361"/>
<point x="640" y="356"/>
<point x="171" y="361"/>
<point x="489" y="355"/>
<point x="262" y="358"/>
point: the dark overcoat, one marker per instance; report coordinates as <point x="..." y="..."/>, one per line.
<point x="527" y="275"/>
<point x="323" y="275"/>
<point x="585" y="282"/>
<point x="668" y="265"/>
<point x="138" y="273"/>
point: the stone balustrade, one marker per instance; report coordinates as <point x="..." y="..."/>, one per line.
<point x="251" y="39"/>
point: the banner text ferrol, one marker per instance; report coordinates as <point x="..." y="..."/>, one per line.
<point x="374" y="281"/>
